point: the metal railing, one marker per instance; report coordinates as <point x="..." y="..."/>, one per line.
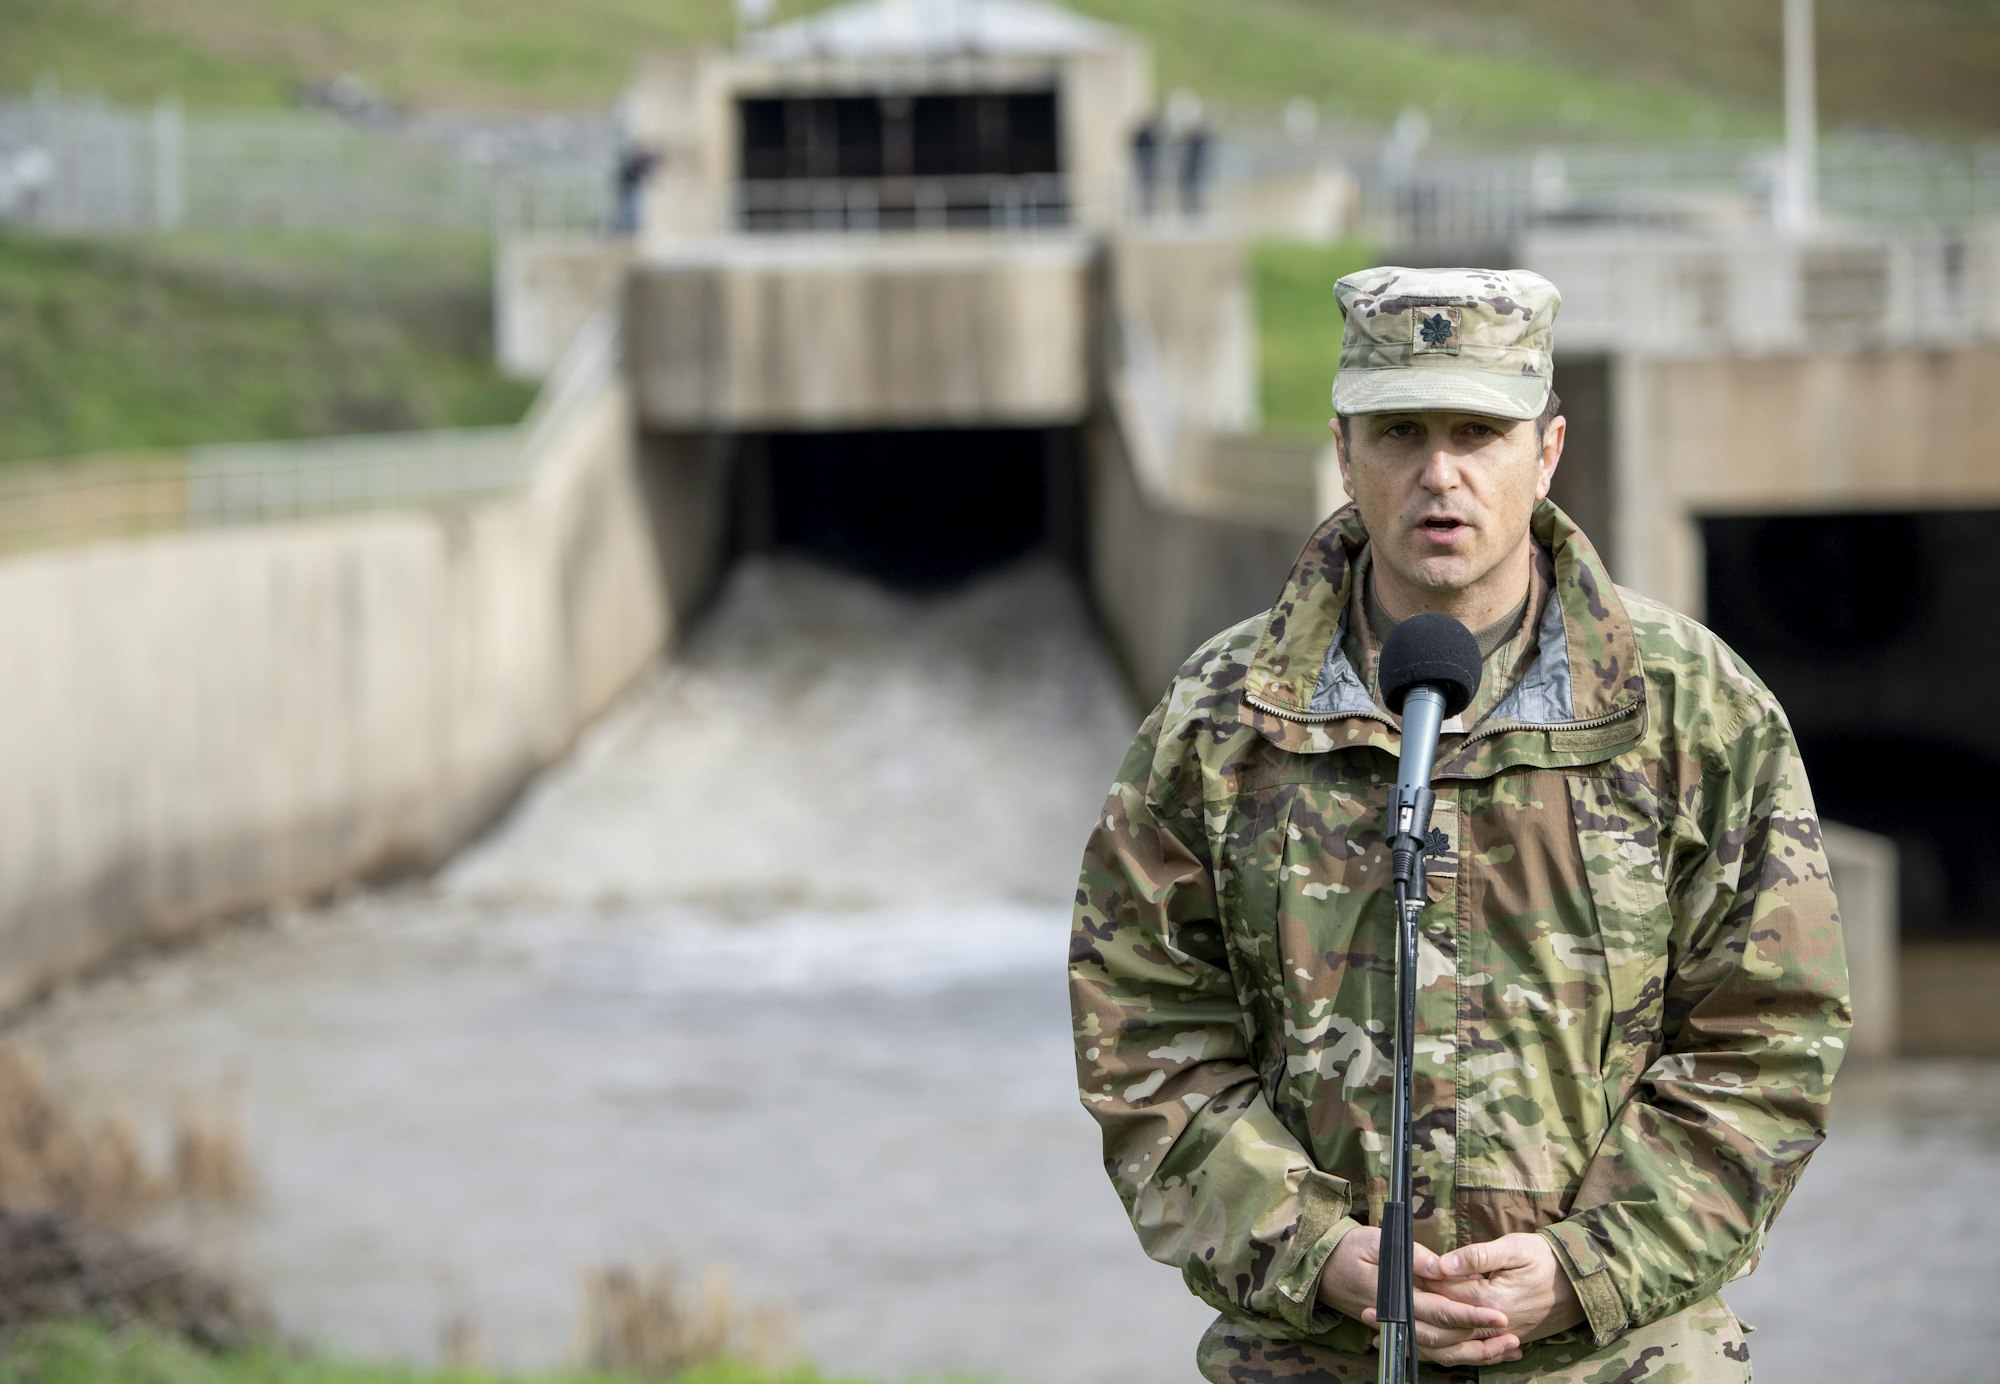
<point x="264" y="482"/>
<point x="74" y="164"/>
<point x="1477" y="201"/>
<point x="60" y="504"/>
<point x="1025" y="202"/>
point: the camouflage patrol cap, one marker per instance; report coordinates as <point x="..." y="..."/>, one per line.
<point x="1464" y="340"/>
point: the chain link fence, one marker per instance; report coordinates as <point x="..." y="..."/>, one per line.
<point x="79" y="164"/>
<point x="1488" y="200"/>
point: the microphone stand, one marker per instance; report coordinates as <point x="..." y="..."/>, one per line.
<point x="1395" y="1288"/>
<point x="1429" y="668"/>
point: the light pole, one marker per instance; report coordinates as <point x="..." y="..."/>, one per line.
<point x="1799" y="207"/>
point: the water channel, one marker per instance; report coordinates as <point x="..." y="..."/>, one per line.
<point x="768" y="976"/>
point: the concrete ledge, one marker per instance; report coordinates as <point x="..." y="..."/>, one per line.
<point x="785" y="332"/>
<point x="1825" y="432"/>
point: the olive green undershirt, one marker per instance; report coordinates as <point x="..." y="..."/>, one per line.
<point x="1506" y="647"/>
<point x="1489" y="639"/>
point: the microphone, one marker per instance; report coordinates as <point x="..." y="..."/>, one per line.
<point x="1429" y="671"/>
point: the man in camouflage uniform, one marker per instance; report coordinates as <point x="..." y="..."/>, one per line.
<point x="1632" y="994"/>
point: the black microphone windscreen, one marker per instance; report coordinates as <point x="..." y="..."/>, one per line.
<point x="1433" y="649"/>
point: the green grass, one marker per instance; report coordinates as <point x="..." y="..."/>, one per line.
<point x="1298" y="331"/>
<point x="107" y="347"/>
<point x="1666" y="69"/>
<point x="80" y="1354"/>
<point x="1366" y="64"/>
<point x="172" y="343"/>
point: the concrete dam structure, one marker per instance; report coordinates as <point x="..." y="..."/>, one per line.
<point x="228" y="719"/>
<point x="890" y="305"/>
<point x="667" y="853"/>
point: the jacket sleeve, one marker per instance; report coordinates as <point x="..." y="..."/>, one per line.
<point x="1753" y="1022"/>
<point x="1213" y="1182"/>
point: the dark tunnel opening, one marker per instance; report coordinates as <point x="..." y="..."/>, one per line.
<point x="903" y="160"/>
<point x="1873" y="631"/>
<point x="917" y="509"/>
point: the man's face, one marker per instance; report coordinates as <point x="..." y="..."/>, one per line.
<point x="1446" y="498"/>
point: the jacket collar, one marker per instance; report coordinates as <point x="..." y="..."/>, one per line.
<point x="1584" y="692"/>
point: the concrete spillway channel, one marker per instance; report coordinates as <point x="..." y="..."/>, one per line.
<point x="763" y="972"/>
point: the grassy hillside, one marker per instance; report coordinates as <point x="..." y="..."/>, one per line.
<point x="163" y="345"/>
<point x="1298" y="331"/>
<point x="1665" y="68"/>
<point x="108" y="347"/>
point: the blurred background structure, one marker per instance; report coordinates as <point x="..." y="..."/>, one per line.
<point x="636" y="537"/>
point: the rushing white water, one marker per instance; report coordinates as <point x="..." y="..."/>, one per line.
<point x="825" y="744"/>
<point x="832" y="787"/>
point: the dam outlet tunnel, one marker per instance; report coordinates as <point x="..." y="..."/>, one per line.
<point x="916" y="509"/>
<point x="1874" y="631"/>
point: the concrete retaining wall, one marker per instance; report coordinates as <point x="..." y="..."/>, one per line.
<point x="1164" y="575"/>
<point x="215" y="721"/>
<point x="545" y="287"/>
<point x="1864" y="869"/>
<point x="825" y="332"/>
<point x="1191" y="296"/>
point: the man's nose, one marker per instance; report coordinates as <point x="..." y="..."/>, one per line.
<point x="1441" y="469"/>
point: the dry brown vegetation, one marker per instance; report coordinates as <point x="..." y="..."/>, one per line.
<point x="54" y="1160"/>
<point x="211" y="1160"/>
<point x="50" y="1160"/>
<point x="649" y="1323"/>
<point x="68" y="1185"/>
<point x="461" y="1343"/>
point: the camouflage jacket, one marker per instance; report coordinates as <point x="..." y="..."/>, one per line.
<point x="1632" y="989"/>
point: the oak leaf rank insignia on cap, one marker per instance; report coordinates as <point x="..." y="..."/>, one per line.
<point x="1459" y="340"/>
<point x="1437" y="332"/>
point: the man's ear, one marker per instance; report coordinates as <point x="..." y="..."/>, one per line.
<point x="1340" y="451"/>
<point x="1552" y="451"/>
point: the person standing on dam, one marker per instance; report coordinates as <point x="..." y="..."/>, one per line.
<point x="1631" y="988"/>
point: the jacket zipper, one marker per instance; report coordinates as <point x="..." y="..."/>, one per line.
<point x="1592" y="724"/>
<point x="1310" y="718"/>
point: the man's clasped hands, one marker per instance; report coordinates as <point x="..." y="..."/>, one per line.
<point x="1477" y="1305"/>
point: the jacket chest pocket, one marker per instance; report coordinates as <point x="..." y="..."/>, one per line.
<point x="1305" y="891"/>
<point x="1550" y="950"/>
<point x="1617" y="821"/>
<point x="1313" y="924"/>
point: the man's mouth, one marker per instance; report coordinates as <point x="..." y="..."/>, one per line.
<point x="1441" y="526"/>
